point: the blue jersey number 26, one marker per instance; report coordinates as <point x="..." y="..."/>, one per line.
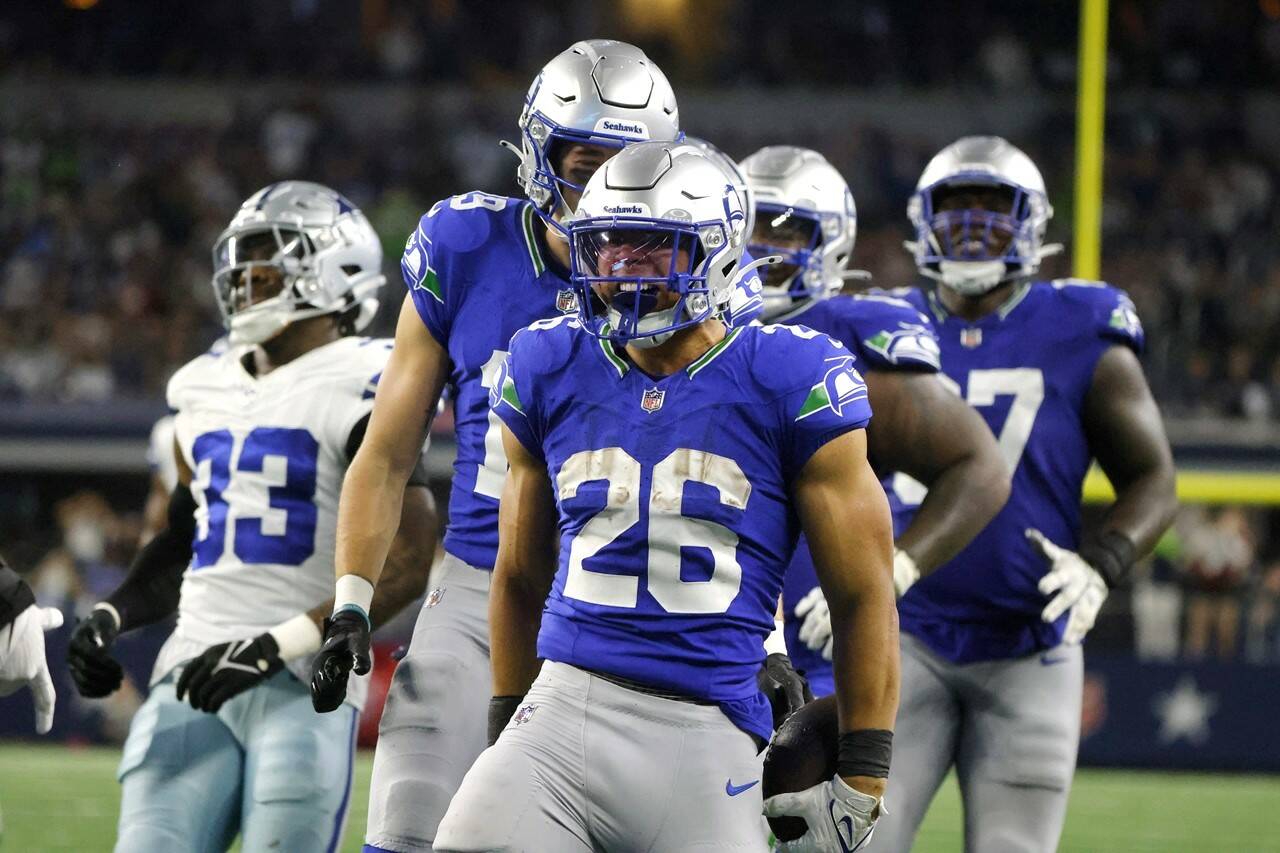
<point x="283" y="461"/>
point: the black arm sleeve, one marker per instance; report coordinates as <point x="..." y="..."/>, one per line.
<point x="15" y="595"/>
<point x="150" y="592"/>
<point x="418" y="477"/>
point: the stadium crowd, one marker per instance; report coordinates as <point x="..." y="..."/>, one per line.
<point x="105" y="231"/>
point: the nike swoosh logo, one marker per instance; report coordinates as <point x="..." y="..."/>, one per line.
<point x="734" y="790"/>
<point x="227" y="661"/>
<point x="844" y="829"/>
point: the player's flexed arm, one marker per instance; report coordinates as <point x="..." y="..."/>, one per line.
<point x="374" y="486"/>
<point x="522" y="578"/>
<point x="1127" y="437"/>
<point x="373" y="496"/>
<point x="845" y="517"/>
<point x="924" y="430"/>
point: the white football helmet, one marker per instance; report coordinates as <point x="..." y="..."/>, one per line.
<point x="971" y="249"/>
<point x="804" y="212"/>
<point x="313" y="248"/>
<point x="658" y="218"/>
<point x="598" y="92"/>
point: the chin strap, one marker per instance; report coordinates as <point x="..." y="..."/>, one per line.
<point x="767" y="260"/>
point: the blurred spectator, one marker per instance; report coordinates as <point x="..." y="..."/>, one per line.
<point x="1262" y="640"/>
<point x="1157" y="601"/>
<point x="105" y="225"/>
<point x="1219" y="555"/>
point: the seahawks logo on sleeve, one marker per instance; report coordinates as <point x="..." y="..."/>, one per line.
<point x="417" y="266"/>
<point x="504" y="389"/>
<point x="1124" y="318"/>
<point x="841" y="386"/>
<point x="909" y="343"/>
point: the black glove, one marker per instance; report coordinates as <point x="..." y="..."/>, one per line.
<point x="501" y="710"/>
<point x="346" y="648"/>
<point x="227" y="670"/>
<point x="94" y="671"/>
<point x="786" y="689"/>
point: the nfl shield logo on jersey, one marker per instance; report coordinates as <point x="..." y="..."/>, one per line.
<point x="525" y="714"/>
<point x="566" y="302"/>
<point x="651" y="400"/>
<point x="970" y="338"/>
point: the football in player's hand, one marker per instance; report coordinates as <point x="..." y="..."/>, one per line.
<point x="802" y="754"/>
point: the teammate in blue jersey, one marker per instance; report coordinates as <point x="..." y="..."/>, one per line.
<point x="991" y="657"/>
<point x="676" y="463"/>
<point x="478" y="267"/>
<point x="805" y="214"/>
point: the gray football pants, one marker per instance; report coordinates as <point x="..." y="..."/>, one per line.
<point x="587" y="765"/>
<point x="1011" y="729"/>
<point x="434" y="724"/>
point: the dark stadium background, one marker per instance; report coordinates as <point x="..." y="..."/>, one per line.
<point x="129" y="132"/>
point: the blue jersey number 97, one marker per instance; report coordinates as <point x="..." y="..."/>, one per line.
<point x="283" y="461"/>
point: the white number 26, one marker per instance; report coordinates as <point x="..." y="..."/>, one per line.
<point x="669" y="529"/>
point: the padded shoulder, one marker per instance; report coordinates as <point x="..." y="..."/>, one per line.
<point x="200" y="375"/>
<point x="1102" y="307"/>
<point x="789" y="356"/>
<point x="889" y="332"/>
<point x="453" y="228"/>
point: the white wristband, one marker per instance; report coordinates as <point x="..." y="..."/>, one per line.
<point x="353" y="590"/>
<point x="297" y="637"/>
<point x="905" y="572"/>
<point x="776" y="642"/>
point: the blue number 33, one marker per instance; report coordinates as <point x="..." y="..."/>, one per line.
<point x="294" y="498"/>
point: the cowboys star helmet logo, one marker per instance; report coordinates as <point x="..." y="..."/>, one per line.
<point x="651" y="399"/>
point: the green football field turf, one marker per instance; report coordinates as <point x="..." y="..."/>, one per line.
<point x="59" y="798"/>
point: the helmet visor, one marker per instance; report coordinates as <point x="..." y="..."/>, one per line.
<point x="786" y="231"/>
<point x="975" y="222"/>
<point x="251" y="267"/>
<point x="629" y="271"/>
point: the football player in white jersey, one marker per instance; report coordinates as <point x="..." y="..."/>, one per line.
<point x="228" y="741"/>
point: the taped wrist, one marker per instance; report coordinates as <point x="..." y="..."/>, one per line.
<point x="501" y="709"/>
<point x="354" y="593"/>
<point x="865" y="752"/>
<point x="1112" y="554"/>
<point x="15" y="594"/>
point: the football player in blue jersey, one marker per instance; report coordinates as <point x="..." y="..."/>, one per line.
<point x="805" y="213"/>
<point x="479" y="267"/>
<point x="992" y="665"/>
<point x="661" y="469"/>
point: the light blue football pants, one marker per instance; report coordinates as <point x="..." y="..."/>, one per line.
<point x="266" y="766"/>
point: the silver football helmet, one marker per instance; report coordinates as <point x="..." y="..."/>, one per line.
<point x="598" y="92"/>
<point x="732" y="172"/>
<point x="655" y="243"/>
<point x="970" y="247"/>
<point x="295" y="250"/>
<point x="805" y="213"/>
